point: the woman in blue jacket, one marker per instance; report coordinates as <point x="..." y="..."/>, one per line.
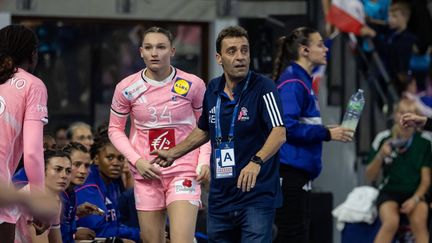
<point x="303" y="49"/>
<point x="103" y="188"/>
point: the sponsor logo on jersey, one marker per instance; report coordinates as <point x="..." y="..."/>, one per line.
<point x="181" y="87"/>
<point x="134" y="90"/>
<point x="161" y="138"/>
<point x="42" y="108"/>
<point x="186" y="186"/>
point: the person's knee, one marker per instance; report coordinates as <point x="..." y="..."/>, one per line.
<point x="390" y="223"/>
<point x="418" y="223"/>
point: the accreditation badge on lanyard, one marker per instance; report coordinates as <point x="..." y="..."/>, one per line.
<point x="224" y="156"/>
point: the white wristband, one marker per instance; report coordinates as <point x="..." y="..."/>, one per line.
<point x="198" y="169"/>
<point x="416" y="198"/>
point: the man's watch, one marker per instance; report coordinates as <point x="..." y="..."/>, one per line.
<point x="257" y="160"/>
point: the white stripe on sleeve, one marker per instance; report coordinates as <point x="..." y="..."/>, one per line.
<point x="278" y="116"/>
<point x="271" y="110"/>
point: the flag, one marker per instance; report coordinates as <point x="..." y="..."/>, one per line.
<point x="317" y="75"/>
<point x="347" y="15"/>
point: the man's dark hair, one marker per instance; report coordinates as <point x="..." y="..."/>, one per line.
<point x="231" y="31"/>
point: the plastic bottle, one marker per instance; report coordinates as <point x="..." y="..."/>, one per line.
<point x="354" y="110"/>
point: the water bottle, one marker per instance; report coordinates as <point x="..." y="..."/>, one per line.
<point x="354" y="110"/>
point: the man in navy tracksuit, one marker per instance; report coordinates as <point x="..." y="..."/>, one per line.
<point x="242" y="118"/>
<point x="105" y="196"/>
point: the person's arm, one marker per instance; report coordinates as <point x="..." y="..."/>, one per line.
<point x="414" y="120"/>
<point x="373" y="169"/>
<point x="33" y="154"/>
<point x="270" y="110"/>
<point x="54" y="235"/>
<point x="423" y="187"/>
<point x="202" y="170"/>
<point x="117" y="136"/>
<point x="425" y="182"/>
<point x="299" y="129"/>
<point x="38" y="204"/>
<point x="10" y="196"/>
<point x="274" y="141"/>
<point x="120" y="109"/>
<point x="203" y="167"/>
<point x="98" y="223"/>
<point x="35" y="117"/>
<point x="195" y="139"/>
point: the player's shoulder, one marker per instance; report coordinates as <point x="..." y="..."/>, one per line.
<point x="23" y="79"/>
<point x="130" y="80"/>
<point x="188" y="76"/>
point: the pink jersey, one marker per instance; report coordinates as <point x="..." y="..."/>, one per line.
<point x="23" y="112"/>
<point x="162" y="115"/>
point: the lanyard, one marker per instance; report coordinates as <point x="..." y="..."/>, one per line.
<point x="218" y="106"/>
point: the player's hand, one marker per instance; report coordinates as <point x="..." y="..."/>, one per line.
<point x="203" y="172"/>
<point x="86" y="209"/>
<point x="248" y="176"/>
<point x="147" y="170"/>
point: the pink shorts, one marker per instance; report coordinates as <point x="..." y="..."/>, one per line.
<point x="152" y="195"/>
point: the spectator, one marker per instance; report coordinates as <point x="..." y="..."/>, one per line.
<point x="60" y="135"/>
<point x="80" y="132"/>
<point x="48" y="142"/>
<point x="395" y="43"/>
<point x="404" y="157"/>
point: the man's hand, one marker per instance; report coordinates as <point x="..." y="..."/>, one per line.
<point x="164" y="158"/>
<point x="203" y="172"/>
<point x="413" y="120"/>
<point x="341" y="134"/>
<point x="247" y="177"/>
<point x="147" y="170"/>
<point x="84" y="234"/>
<point x="86" y="209"/>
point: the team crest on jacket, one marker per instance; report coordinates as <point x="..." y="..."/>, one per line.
<point x="181" y="87"/>
<point x="243" y="114"/>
